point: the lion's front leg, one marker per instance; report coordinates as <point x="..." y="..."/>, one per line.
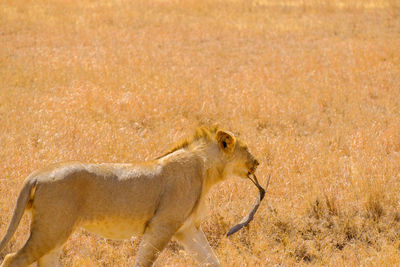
<point x="51" y="259"/>
<point x="155" y="238"/>
<point x="195" y="242"/>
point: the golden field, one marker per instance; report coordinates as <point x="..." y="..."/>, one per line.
<point x="312" y="86"/>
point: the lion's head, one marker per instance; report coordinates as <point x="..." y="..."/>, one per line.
<point x="239" y="161"/>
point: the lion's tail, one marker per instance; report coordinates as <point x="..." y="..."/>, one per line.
<point x="26" y="194"/>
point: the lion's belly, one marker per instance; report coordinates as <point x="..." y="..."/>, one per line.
<point x="116" y="228"/>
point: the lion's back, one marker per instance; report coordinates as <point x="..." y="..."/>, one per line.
<point x="89" y="191"/>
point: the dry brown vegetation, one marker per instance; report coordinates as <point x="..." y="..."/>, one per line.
<point x="312" y="86"/>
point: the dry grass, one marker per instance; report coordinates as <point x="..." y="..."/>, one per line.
<point x="312" y="86"/>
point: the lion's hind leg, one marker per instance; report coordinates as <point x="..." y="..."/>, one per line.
<point x="39" y="248"/>
<point x="8" y="259"/>
<point x="49" y="260"/>
<point x="43" y="244"/>
<point x="21" y="258"/>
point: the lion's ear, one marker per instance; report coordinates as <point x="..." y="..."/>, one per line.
<point x="226" y="141"/>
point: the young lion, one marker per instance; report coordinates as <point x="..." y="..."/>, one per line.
<point x="160" y="200"/>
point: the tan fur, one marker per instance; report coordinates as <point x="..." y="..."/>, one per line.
<point x="160" y="200"/>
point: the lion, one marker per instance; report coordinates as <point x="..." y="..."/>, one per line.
<point x="160" y="200"/>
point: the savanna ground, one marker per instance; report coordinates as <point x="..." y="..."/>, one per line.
<point x="313" y="87"/>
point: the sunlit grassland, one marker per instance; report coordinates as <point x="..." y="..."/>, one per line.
<point x="313" y="87"/>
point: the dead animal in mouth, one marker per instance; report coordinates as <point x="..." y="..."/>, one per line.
<point x="246" y="220"/>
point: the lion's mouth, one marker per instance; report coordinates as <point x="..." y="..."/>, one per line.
<point x="251" y="171"/>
